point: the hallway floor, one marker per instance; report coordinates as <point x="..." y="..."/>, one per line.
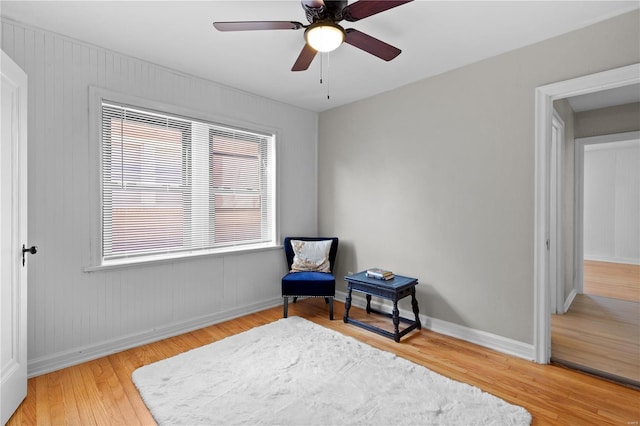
<point x="601" y="335"/>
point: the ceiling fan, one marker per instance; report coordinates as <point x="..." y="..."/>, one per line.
<point x="323" y="34"/>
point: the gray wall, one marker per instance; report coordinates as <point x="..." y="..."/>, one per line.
<point x="74" y="315"/>
<point x="436" y="179"/>
<point x="606" y="121"/>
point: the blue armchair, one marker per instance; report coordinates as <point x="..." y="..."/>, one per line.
<point x="305" y="281"/>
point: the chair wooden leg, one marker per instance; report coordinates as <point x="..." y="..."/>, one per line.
<point x="331" y="308"/>
<point x="285" y="307"/>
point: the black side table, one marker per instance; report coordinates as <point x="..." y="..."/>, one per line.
<point x="394" y="290"/>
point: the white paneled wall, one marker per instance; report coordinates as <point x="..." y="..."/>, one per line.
<point x="76" y="315"/>
<point x="612" y="202"/>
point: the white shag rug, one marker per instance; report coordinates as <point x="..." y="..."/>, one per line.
<point x="295" y="372"/>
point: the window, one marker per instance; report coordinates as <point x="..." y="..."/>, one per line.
<point x="173" y="186"/>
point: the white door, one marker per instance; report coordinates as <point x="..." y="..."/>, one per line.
<point x="13" y="234"/>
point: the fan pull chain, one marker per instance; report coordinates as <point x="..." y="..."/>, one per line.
<point x="328" y="81"/>
<point x="322" y="68"/>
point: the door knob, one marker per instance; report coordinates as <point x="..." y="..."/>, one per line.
<point x="32" y="250"/>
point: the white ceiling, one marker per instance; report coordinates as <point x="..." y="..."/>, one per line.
<point x="606" y="98"/>
<point x="434" y="37"/>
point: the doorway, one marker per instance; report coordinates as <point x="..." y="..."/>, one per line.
<point x="598" y="334"/>
<point x="544" y="97"/>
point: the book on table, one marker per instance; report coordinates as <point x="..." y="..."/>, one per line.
<point x="379" y="274"/>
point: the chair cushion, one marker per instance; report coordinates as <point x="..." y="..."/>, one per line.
<point x="309" y="276"/>
<point x="308" y="284"/>
<point x="311" y="256"/>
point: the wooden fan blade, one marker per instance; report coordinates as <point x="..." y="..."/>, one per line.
<point x="371" y="45"/>
<point x="365" y="8"/>
<point x="257" y="25"/>
<point x="304" y="59"/>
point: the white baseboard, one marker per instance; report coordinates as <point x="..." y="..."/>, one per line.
<point x="569" y="300"/>
<point x="612" y="259"/>
<point x="57" y="361"/>
<point x="478" y="337"/>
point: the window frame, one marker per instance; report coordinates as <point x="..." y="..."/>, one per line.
<point x="97" y="96"/>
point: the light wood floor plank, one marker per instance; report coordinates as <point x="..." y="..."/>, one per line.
<point x="71" y="405"/>
<point x="123" y="364"/>
<point x="600" y="333"/>
<point x="81" y="396"/>
<point x="614" y="280"/>
<point x="39" y="397"/>
<point x="56" y="401"/>
<point x="103" y="393"/>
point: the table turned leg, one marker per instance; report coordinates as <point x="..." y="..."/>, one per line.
<point x="347" y="305"/>
<point x="396" y="321"/>
<point x="368" y="303"/>
<point x="414" y="305"/>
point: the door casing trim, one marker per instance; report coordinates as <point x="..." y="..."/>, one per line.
<point x="544" y="97"/>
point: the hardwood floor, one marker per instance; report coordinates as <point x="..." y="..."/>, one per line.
<point x="614" y="280"/>
<point x="600" y="331"/>
<point x="101" y="391"/>
<point x="600" y="335"/>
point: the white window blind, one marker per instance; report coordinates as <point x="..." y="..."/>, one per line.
<point x="176" y="185"/>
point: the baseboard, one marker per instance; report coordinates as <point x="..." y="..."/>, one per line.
<point x="57" y="361"/>
<point x="608" y="259"/>
<point x="478" y="337"/>
<point x="569" y="300"/>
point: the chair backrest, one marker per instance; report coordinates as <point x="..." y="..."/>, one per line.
<point x="288" y="250"/>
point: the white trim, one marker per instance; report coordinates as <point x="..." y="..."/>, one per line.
<point x="624" y="260"/>
<point x="578" y="212"/>
<point x="149" y="260"/>
<point x="478" y="337"/>
<point x="96" y="96"/>
<point x="607" y="145"/>
<point x="557" y="218"/>
<point x="57" y="361"/>
<point x="611" y="138"/>
<point x="481" y="338"/>
<point x="541" y="303"/>
<point x="569" y="301"/>
<point x="544" y="97"/>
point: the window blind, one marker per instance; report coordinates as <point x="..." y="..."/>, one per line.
<point x="172" y="184"/>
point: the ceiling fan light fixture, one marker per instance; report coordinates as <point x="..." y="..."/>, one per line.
<point x="324" y="36"/>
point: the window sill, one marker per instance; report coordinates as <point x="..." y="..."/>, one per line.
<point x="164" y="258"/>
